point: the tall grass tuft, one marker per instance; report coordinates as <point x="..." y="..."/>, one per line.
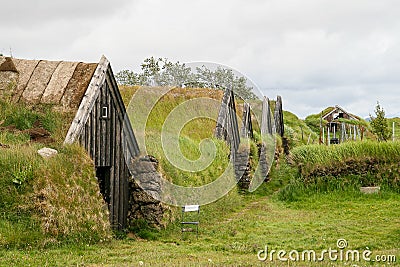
<point x="349" y="165"/>
<point x="317" y="154"/>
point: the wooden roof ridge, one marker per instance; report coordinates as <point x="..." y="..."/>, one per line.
<point x="60" y="83"/>
<point x="337" y="107"/>
<point x="103" y="74"/>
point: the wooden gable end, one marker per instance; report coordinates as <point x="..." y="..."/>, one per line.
<point x="102" y="127"/>
<point x="227" y="125"/>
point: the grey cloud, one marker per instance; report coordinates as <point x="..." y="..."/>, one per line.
<point x="314" y="53"/>
<point x="21" y="13"/>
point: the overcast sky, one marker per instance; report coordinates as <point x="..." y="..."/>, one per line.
<point x="314" y="53"/>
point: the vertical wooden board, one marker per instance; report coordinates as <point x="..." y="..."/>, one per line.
<point x="103" y="121"/>
<point x="126" y="185"/>
<point x="117" y="168"/>
<point x="98" y="131"/>
<point x="90" y="131"/>
<point x="58" y="82"/>
<point x="113" y="171"/>
<point x="93" y="132"/>
<point x="81" y="139"/>
<point x="102" y="126"/>
<point x="87" y="136"/>
<point x="121" y="187"/>
<point x="126" y="195"/>
<point x="39" y="80"/>
<point x="108" y="129"/>
<point x="25" y="69"/>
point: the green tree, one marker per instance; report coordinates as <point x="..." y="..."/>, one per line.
<point x="379" y="124"/>
<point x="174" y="74"/>
<point x="224" y="78"/>
<point x="162" y="72"/>
<point x="127" y="77"/>
<point x="151" y="69"/>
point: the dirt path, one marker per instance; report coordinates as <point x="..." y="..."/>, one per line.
<point x="246" y="209"/>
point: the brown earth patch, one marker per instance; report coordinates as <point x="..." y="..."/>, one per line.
<point x="39" y="135"/>
<point x="36" y="134"/>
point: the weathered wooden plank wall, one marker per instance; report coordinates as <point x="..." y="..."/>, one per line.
<point x="227" y="125"/>
<point x="109" y="139"/>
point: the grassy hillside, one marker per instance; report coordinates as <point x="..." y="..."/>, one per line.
<point x="45" y="201"/>
<point x="190" y="136"/>
<point x="297" y="131"/>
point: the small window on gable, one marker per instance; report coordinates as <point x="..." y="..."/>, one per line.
<point x="104" y="112"/>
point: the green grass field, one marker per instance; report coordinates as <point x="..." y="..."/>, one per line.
<point x="234" y="237"/>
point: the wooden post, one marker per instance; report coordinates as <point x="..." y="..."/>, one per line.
<point x="362" y="132"/>
<point x="393" y="138"/>
<point x="343" y="133"/>
<point x="329" y="135"/>
<point x="278" y="116"/>
<point x="334" y="131"/>
<point x="350" y="136"/>
<point x="320" y="130"/>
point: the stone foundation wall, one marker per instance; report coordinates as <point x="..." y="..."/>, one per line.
<point x="143" y="205"/>
<point x="264" y="165"/>
<point x="242" y="168"/>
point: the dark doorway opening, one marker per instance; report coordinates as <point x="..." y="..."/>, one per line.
<point x="103" y="176"/>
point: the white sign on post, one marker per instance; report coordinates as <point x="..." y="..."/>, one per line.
<point x="191" y="208"/>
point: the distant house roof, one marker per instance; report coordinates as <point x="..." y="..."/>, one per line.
<point x="60" y="83"/>
<point x="340" y="109"/>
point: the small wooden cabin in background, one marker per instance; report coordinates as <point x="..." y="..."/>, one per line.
<point x="338" y="113"/>
<point x="337" y="129"/>
<point x="89" y="92"/>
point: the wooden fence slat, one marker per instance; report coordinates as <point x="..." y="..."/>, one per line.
<point x="278" y="116"/>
